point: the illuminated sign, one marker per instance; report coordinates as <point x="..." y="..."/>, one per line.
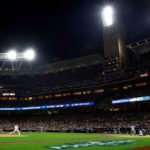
<point x="8" y="94"/>
<point x="144" y="75"/>
<point x="50" y="106"/>
<point x="135" y="99"/>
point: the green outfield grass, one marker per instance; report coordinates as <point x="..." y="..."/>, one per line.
<point x="42" y="141"/>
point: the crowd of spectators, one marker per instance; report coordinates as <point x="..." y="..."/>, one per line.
<point x="86" y="122"/>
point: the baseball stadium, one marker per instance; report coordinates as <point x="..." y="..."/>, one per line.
<point x="94" y="102"/>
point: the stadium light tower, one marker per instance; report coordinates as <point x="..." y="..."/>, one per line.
<point x="114" y="49"/>
<point x="13" y="60"/>
<point x="108" y="15"/>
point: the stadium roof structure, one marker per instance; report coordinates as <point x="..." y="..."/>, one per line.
<point x="70" y="64"/>
<point x="58" y="66"/>
<point x="140" y="47"/>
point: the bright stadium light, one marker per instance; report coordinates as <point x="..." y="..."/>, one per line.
<point x="29" y="54"/>
<point x="11" y="55"/>
<point x="108" y="15"/>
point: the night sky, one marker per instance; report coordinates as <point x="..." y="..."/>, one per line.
<point x="65" y="29"/>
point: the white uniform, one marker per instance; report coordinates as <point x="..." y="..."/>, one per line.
<point x="140" y="132"/>
<point x="132" y="130"/>
<point x="16" y="129"/>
